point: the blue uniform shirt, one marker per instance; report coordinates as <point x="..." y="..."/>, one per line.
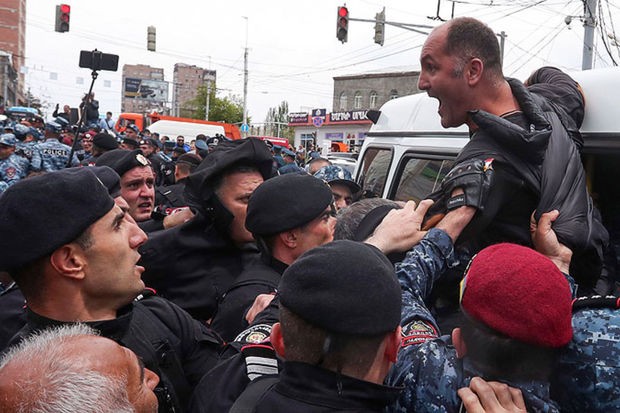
<point x="427" y="366"/>
<point x="12" y="169"/>
<point x="51" y="155"/>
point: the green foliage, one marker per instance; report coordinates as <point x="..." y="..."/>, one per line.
<point x="227" y="109"/>
<point x="277" y="121"/>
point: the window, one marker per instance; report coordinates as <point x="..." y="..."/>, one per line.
<point x="393" y="94"/>
<point x="373" y="100"/>
<point x="417" y="178"/>
<point x="357" y="102"/>
<point x="343" y="101"/>
<point x="374" y="170"/>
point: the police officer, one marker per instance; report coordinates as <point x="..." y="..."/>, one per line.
<point x="102" y="143"/>
<point x="338" y="331"/>
<point x="517" y="309"/>
<point x="150" y="149"/>
<point x="341" y="182"/>
<point x="207" y="253"/>
<point x="51" y="155"/>
<point x="12" y="167"/>
<point x="288" y="215"/>
<point x="290" y="166"/>
<point x="90" y="261"/>
<point x="26" y="141"/>
<point x="172" y="196"/>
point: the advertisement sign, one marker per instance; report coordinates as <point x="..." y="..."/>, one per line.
<point x="350" y="116"/>
<point x="298" y="117"/>
<point x="153" y="90"/>
<point x="334" y="136"/>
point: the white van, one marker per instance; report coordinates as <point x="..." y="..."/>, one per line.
<point x="407" y="152"/>
<point x="172" y="129"/>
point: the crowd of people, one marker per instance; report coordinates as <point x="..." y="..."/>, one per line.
<point x="153" y="276"/>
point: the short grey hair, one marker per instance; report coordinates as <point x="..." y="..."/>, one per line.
<point x="61" y="385"/>
<point x="349" y="218"/>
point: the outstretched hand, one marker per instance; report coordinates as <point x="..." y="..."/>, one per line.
<point x="400" y="230"/>
<point x="491" y="397"/>
<point x="546" y="242"/>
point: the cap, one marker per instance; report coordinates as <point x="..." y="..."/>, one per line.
<point x="133" y="127"/>
<point x="122" y="160"/>
<point x="53" y="127"/>
<point x="105" y="141"/>
<point x="285" y="202"/>
<point x="109" y="178"/>
<point x="8" y="139"/>
<point x="288" y="152"/>
<point x="344" y="287"/>
<point x="64" y="123"/>
<point x="334" y="174"/>
<point x="149" y="141"/>
<point x="201" y="145"/>
<point x="131" y="142"/>
<point x="74" y="192"/>
<point x="191" y="159"/>
<point x="519" y="293"/>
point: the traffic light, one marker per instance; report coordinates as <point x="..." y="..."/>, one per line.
<point x="342" y="27"/>
<point x="63" y="12"/>
<point x="380" y="27"/>
<point x="150" y="38"/>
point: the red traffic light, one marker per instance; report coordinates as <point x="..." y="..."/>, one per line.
<point x="343" y="12"/>
<point x="63" y="13"/>
<point x="65" y="8"/>
<point x="342" y="24"/>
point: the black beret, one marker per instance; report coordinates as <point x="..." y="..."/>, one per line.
<point x="131" y="142"/>
<point x="42" y="213"/>
<point x="343" y="287"/>
<point x="285" y="202"/>
<point x="250" y="151"/>
<point x="122" y="160"/>
<point x="109" y="178"/>
<point x="105" y="141"/>
<point x="149" y="141"/>
<point x="191" y="159"/>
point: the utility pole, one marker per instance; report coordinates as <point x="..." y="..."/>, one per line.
<point x="245" y="78"/>
<point x="208" y="98"/>
<point x="502" y="40"/>
<point x="589" y="24"/>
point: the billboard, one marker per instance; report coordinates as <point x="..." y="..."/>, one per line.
<point x="146" y="89"/>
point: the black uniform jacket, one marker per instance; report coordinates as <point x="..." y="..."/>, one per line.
<point x="179" y="349"/>
<point x="307" y="388"/>
<point x="193" y="265"/>
<point x="260" y="278"/>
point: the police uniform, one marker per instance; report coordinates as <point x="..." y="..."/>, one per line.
<point x="25" y="149"/>
<point x="587" y="378"/>
<point x="13" y="168"/>
<point x="280" y="204"/>
<point x="12" y="314"/>
<point x="199" y="254"/>
<point x="51" y="155"/>
<point x="427" y="366"/>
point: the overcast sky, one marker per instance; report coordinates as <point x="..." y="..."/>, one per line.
<point x="293" y="50"/>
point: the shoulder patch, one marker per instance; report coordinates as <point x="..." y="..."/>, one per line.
<point x="260" y="360"/>
<point x="254" y="334"/>
<point x="418" y="332"/>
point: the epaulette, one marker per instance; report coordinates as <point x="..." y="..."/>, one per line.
<point x="146" y="293"/>
<point x="260" y="360"/>
<point x="596" y="301"/>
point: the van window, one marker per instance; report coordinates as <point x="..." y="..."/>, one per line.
<point x="374" y="170"/>
<point x="416" y="178"/>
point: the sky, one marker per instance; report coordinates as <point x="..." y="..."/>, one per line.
<point x="293" y="52"/>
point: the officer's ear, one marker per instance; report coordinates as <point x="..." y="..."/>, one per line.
<point x="289" y="238"/>
<point x="277" y="340"/>
<point x="459" y="343"/>
<point x="69" y="261"/>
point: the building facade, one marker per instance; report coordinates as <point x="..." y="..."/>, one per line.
<point x="186" y="81"/>
<point x="144" y="90"/>
<point x="12" y="51"/>
<point x="345" y="127"/>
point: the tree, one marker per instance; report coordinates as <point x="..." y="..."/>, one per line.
<point x="227" y="109"/>
<point x="276" y="122"/>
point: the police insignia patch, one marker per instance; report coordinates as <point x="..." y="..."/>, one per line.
<point x="418" y="332"/>
<point x="10" y="172"/>
<point x="141" y="159"/>
<point x="255" y="334"/>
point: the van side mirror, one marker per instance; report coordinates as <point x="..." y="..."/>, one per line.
<point x="373" y="115"/>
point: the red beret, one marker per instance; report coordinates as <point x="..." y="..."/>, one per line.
<point x="520" y="293"/>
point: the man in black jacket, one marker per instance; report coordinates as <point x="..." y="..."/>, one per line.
<point x="194" y="264"/>
<point x="84" y="269"/>
<point x="524" y="148"/>
<point x="288" y="215"/>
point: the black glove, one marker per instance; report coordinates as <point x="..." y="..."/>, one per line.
<point x="474" y="177"/>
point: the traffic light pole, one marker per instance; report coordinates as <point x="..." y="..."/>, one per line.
<point x="406" y="26"/>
